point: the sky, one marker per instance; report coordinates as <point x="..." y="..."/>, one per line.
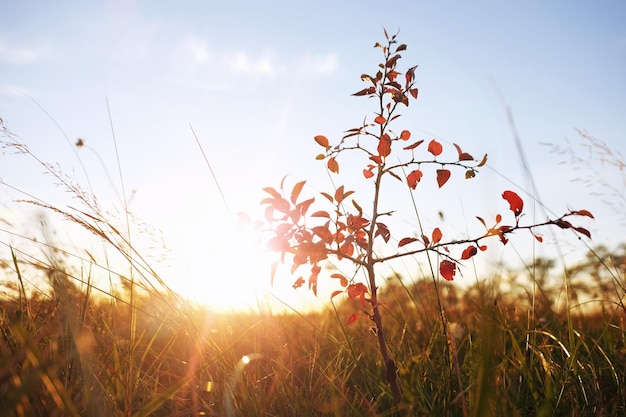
<point x="256" y="81"/>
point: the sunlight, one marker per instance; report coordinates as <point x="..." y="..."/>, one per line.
<point x="231" y="271"/>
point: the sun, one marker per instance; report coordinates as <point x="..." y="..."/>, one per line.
<point x="229" y="270"/>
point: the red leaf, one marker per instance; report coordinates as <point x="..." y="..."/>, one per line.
<point x="583" y="231"/>
<point x="347" y="249"/>
<point x="436" y="235"/>
<point x="295" y="192"/>
<point x="409" y="75"/>
<point x="435" y="147"/>
<point x="321" y="214"/>
<point x="365" y="91"/>
<point x="339" y="194"/>
<point x="463" y="156"/>
<point x="352" y="318"/>
<point x="413" y="178"/>
<point x="298" y="283"/>
<point x="383" y="231"/>
<point x="333" y="166"/>
<point x="414" y="145"/>
<point x="369" y="171"/>
<point x="384" y="146"/>
<point x="315" y="271"/>
<point x="323" y="233"/>
<point x="380" y="120"/>
<point x="272" y="191"/>
<point x="377" y="159"/>
<point x="322" y="141"/>
<point x="469" y="252"/>
<point x="406" y="240"/>
<point x="335" y="293"/>
<point x="343" y="281"/>
<point x="583" y="213"/>
<point x="357" y="290"/>
<point x="357" y="222"/>
<point x="447" y="269"/>
<point x="443" y="175"/>
<point x="413" y="92"/>
<point x="516" y="204"/>
<point x="405" y="135"/>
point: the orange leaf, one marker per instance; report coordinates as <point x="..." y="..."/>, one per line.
<point x="323" y="233"/>
<point x="436" y="235"/>
<point x="447" y="269"/>
<point x="357" y="290"/>
<point x="443" y="175"/>
<point x="315" y="271"/>
<point x="322" y="141"/>
<point x="368" y="173"/>
<point x="413" y="178"/>
<point x="405" y="135"/>
<point x="384" y="146"/>
<point x="298" y="283"/>
<point x="469" y="252"/>
<point x="516" y="204"/>
<point x="352" y="318"/>
<point x="335" y="293"/>
<point x="435" y="147"/>
<point x="272" y="191"/>
<point x="365" y="91"/>
<point x="406" y="240"/>
<point x="583" y="231"/>
<point x="380" y="120"/>
<point x="343" y="281"/>
<point x="586" y="213"/>
<point x="321" y="214"/>
<point x="414" y="145"/>
<point x="295" y="192"/>
<point x="333" y="166"/>
<point x="347" y="249"/>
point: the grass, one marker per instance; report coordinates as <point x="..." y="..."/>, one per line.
<point x="74" y="348"/>
<point x="68" y="352"/>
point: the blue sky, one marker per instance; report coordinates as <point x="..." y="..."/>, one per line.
<point x="257" y="80"/>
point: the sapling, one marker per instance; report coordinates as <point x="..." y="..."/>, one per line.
<point x="347" y="230"/>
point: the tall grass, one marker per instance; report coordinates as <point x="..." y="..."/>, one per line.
<point x="70" y="345"/>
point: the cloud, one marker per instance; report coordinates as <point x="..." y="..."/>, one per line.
<point x="242" y="63"/>
<point x="320" y="65"/>
<point x="20" y="55"/>
<point x="196" y="62"/>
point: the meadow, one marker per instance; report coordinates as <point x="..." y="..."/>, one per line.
<point x="460" y="353"/>
<point x="536" y="341"/>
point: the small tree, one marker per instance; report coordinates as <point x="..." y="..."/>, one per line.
<point x="350" y="233"/>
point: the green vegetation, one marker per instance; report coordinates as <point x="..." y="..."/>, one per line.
<point x="533" y="342"/>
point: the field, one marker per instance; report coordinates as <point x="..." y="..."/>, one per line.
<point x="476" y="352"/>
<point x="95" y="330"/>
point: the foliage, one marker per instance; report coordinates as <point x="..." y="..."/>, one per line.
<point x="350" y="230"/>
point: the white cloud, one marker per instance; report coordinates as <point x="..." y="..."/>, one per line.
<point x="196" y="62"/>
<point x="197" y="50"/>
<point x="320" y="65"/>
<point x="20" y="55"/>
<point x="243" y="63"/>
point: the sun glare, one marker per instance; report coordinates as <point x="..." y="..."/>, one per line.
<point x="231" y="271"/>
